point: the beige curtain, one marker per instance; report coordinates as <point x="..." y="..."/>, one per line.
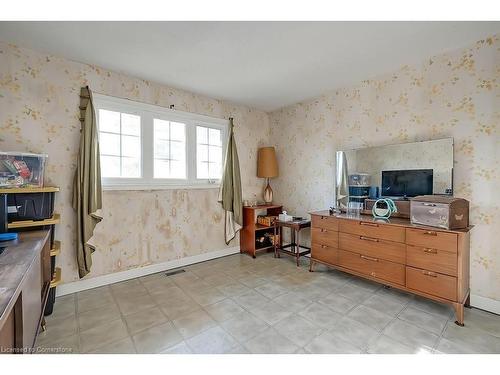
<point x="230" y="189"/>
<point x="87" y="183"/>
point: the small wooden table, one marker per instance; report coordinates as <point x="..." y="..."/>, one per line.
<point x="251" y="229"/>
<point x="296" y="227"/>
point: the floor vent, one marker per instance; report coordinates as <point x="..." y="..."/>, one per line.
<point x="171" y="273"/>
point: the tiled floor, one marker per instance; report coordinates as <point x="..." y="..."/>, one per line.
<point x="238" y="304"/>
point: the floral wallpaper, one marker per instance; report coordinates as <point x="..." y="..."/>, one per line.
<point x="39" y="98"/>
<point x="455" y="94"/>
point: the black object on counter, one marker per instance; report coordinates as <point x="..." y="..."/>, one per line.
<point x="51" y="299"/>
<point x="30" y="206"/>
<point x="3" y="214"/>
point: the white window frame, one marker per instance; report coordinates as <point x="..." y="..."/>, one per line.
<point x="147" y="113"/>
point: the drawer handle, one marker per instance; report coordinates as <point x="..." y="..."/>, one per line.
<point x="369" y="258"/>
<point x="430" y="233"/>
<point x="431" y="274"/>
<point x="323" y="230"/>
<point x="368" y="239"/>
<point x="430" y="251"/>
<point x="323" y="217"/>
<point x="429" y="204"/>
<point x="368" y="224"/>
<point x="323" y="246"/>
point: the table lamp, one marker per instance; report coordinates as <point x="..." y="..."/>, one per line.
<point x="267" y="167"/>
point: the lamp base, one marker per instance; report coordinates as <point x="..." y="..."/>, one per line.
<point x="268" y="193"/>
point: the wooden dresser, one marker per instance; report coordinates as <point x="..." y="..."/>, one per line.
<point x="430" y="262"/>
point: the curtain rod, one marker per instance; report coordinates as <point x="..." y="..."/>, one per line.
<point x="171" y="106"/>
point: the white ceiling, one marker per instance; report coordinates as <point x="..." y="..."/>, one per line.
<point x="266" y="65"/>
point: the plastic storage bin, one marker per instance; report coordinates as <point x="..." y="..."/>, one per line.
<point x="440" y="211"/>
<point x="19" y="169"/>
<point x="359" y="179"/>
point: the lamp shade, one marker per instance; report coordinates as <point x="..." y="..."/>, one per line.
<point x="267" y="165"/>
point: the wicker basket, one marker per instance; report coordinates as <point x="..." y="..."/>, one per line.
<point x="267" y="221"/>
<point x="274" y="239"/>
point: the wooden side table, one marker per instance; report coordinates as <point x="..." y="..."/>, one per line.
<point x="251" y="229"/>
<point x="295" y="227"/>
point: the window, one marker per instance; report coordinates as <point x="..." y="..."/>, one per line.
<point x="170" y="149"/>
<point x="208" y="153"/>
<point x="120" y="144"/>
<point x="145" y="146"/>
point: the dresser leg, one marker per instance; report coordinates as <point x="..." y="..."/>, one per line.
<point x="459" y="314"/>
<point x="311" y="265"/>
<point x="467" y="302"/>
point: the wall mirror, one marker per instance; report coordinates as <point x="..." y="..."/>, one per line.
<point x="399" y="171"/>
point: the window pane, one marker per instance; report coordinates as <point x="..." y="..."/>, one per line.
<point x="202" y="153"/>
<point x="177" y="169"/>
<point x="120" y="144"/>
<point x="214" y="137"/>
<point x="110" y="166"/>
<point x="131" y="124"/>
<point x="177" y="131"/>
<point x="215" y="154"/>
<point x="131" y="167"/>
<point x="131" y="146"/>
<point x="208" y="152"/>
<point x="161" y="168"/>
<point x="109" y="144"/>
<point x="109" y="121"/>
<point x="215" y="170"/>
<point x="201" y="135"/>
<point x="177" y="151"/>
<point x="162" y="149"/>
<point x="202" y="169"/>
<point x="161" y="129"/>
<point x="170" y="146"/>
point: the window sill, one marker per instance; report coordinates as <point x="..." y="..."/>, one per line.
<point x="159" y="187"/>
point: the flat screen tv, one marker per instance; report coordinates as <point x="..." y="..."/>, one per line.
<point x="407" y="183"/>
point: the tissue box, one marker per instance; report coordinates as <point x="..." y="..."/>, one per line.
<point x="285" y="217"/>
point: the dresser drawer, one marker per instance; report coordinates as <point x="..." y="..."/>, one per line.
<point x="323" y="236"/>
<point x="372" y="266"/>
<point x="432" y="239"/>
<point x="324" y="253"/>
<point x="326" y="222"/>
<point x="433" y="283"/>
<point x="373" y="229"/>
<point x="373" y="247"/>
<point x="432" y="259"/>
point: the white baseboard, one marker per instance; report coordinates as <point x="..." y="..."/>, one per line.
<point x="94" y="282"/>
<point x="485" y="303"/>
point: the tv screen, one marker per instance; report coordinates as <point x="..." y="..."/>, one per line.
<point x="407" y="183"/>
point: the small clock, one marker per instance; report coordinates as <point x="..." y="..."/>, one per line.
<point x="383" y="208"/>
